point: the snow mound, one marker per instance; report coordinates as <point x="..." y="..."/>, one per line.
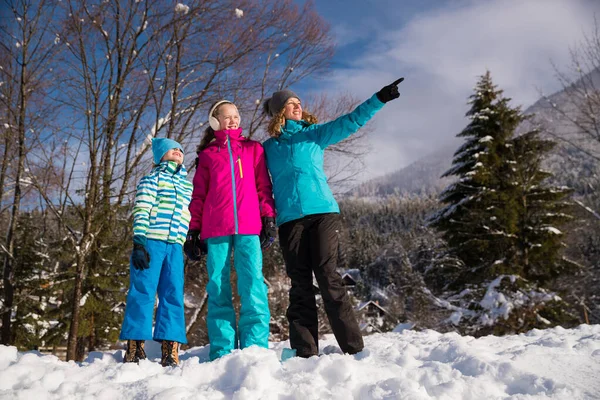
<point x="555" y="363"/>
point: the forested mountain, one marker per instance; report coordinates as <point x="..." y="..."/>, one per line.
<point x="569" y="162"/>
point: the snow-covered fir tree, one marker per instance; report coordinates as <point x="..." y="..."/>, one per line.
<point x="30" y="261"/>
<point x="104" y="290"/>
<point x="541" y="209"/>
<point x="502" y="220"/>
<point x="474" y="221"/>
<point x="500" y="215"/>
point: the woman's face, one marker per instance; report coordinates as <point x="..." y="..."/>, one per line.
<point x="228" y="117"/>
<point x="293" y="109"/>
<point x="175" y="155"/>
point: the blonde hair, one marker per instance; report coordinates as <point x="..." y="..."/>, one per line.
<point x="277" y="121"/>
<point x="209" y="133"/>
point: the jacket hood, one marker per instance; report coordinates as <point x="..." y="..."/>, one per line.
<point x="292" y="127"/>
<point x="222" y="136"/>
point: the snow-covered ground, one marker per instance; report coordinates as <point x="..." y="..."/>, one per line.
<point x="554" y="363"/>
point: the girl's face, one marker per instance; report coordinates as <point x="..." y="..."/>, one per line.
<point x="293" y="109"/>
<point x="228" y="116"/>
<point x="175" y="155"/>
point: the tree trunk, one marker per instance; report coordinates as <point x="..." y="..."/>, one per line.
<point x="74" y="328"/>
<point x="80" y="356"/>
<point x="92" y="342"/>
<point x="9" y="273"/>
<point x="8" y="301"/>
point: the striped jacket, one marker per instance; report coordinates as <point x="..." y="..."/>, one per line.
<point x="161" y="204"/>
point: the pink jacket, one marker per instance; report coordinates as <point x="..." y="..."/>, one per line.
<point x="232" y="188"/>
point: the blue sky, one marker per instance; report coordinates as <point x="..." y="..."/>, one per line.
<point x="441" y="47"/>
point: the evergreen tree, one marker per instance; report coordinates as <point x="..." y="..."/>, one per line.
<point x="541" y="209"/>
<point x="103" y="292"/>
<point x="30" y="260"/>
<point x="500" y="215"/>
<point x="105" y="287"/>
<point x="479" y="217"/>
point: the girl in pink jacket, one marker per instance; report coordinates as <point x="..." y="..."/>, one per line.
<point x="232" y="211"/>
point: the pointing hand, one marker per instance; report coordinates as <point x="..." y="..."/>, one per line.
<point x="389" y="92"/>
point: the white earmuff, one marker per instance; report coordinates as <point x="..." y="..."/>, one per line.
<point x="212" y="120"/>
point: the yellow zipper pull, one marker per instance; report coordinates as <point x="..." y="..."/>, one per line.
<point x="240" y="165"/>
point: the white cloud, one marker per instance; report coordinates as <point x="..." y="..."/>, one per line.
<point x="515" y="39"/>
<point x="442" y="52"/>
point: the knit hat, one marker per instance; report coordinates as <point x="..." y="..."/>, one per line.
<point x="160" y="146"/>
<point x="274" y="105"/>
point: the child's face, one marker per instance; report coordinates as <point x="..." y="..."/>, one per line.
<point x="228" y="117"/>
<point x="293" y="109"/>
<point x="175" y="155"/>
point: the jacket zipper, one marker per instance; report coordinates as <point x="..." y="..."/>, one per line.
<point x="175" y="207"/>
<point x="235" y="219"/>
<point x="172" y="176"/>
<point x="295" y="177"/>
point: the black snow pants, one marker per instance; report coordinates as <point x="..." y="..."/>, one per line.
<point x="310" y="244"/>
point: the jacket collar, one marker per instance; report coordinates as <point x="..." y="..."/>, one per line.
<point x="171" y="167"/>
<point x="234" y="135"/>
<point x="291" y="127"/>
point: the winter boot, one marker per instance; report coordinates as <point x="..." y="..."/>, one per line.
<point x="135" y="351"/>
<point x="170" y="353"/>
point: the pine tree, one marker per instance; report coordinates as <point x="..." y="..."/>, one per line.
<point x="478" y="212"/>
<point x="104" y="291"/>
<point x="541" y="209"/>
<point x="30" y="260"/>
<point x="105" y="287"/>
<point x="500" y="215"/>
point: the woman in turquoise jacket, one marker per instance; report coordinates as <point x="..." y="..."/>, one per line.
<point x="308" y="214"/>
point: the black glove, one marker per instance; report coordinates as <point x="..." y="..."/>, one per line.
<point x="268" y="232"/>
<point x="194" y="247"/>
<point x="140" y="259"/>
<point x="389" y="92"/>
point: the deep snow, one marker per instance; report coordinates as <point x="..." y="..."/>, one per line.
<point x="555" y="363"/>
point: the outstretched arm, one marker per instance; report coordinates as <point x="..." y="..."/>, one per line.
<point x="344" y="126"/>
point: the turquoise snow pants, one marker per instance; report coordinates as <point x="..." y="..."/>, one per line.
<point x="253" y="327"/>
<point x="165" y="277"/>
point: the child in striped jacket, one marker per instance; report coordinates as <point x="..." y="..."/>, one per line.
<point x="160" y="224"/>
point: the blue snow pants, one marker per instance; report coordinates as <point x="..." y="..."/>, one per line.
<point x="164" y="276"/>
<point x="253" y="327"/>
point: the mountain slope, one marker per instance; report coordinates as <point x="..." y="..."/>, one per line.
<point x="571" y="167"/>
<point x="421" y="178"/>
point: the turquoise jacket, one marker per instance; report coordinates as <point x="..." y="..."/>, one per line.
<point x="295" y="161"/>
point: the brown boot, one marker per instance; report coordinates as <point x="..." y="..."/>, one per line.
<point x="170" y="353"/>
<point x="135" y="351"/>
